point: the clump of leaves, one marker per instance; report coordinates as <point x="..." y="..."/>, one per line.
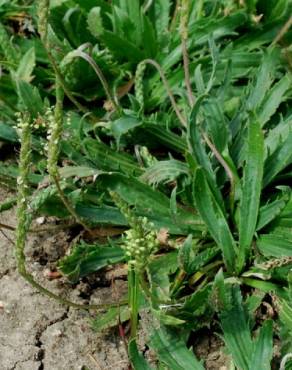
<point x="194" y="162"/>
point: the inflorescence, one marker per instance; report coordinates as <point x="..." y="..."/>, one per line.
<point x="140" y="241"/>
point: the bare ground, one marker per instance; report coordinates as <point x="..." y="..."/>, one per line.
<point x="36" y="332"/>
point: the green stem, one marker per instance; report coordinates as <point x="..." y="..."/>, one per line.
<point x="180" y="117"/>
<point x="133" y="288"/>
<point x="23" y="219"/>
<point x="185" y="5"/>
<point x="43" y="16"/>
<point x="81" y="54"/>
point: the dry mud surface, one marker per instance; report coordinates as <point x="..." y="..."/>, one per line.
<point x="36" y="332"/>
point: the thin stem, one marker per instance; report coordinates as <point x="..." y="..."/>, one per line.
<point x="225" y="165"/>
<point x="41" y="229"/>
<point x="168" y="90"/>
<point x="285" y="359"/>
<point x="174" y="17"/>
<point x="55" y="134"/>
<point x="133" y="285"/>
<point x="29" y="278"/>
<point x="184" y="37"/>
<point x="43" y="15"/>
<point x="81" y="54"/>
<point x="23" y="218"/>
<point x="64" y="85"/>
<point x="282" y="32"/>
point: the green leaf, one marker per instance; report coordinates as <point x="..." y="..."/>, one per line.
<point x="286" y="314"/>
<point x="151" y="203"/>
<point x="263" y="348"/>
<point x="274" y="99"/>
<point x="278" y="160"/>
<point x="158" y="273"/>
<point x="264" y="80"/>
<point x="251" y="190"/>
<point x="270" y="211"/>
<point x="94" y="21"/>
<point x="30" y="97"/>
<point x="78" y="171"/>
<point x="165" y="319"/>
<point x="26" y="66"/>
<point x="276" y="136"/>
<point x="164" y="171"/>
<point x="186" y="253"/>
<point x="8" y="133"/>
<point x="110" y="318"/>
<point x="122" y="125"/>
<point x="202" y="258"/>
<point x="86" y="259"/>
<point x="172" y="351"/>
<point x="136" y="358"/>
<point x="107" y="159"/>
<point x="214" y="218"/>
<point x="216" y="123"/>
<point x="237" y="336"/>
<point x="190" y="260"/>
<point x="122" y="48"/>
<point x="165" y="137"/>
<point x="196" y="303"/>
<point x="199" y="154"/>
<point x="100" y="215"/>
<point x="276" y="244"/>
<point x="149" y="38"/>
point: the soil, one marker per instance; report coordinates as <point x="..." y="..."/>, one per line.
<point x="36" y="332"/>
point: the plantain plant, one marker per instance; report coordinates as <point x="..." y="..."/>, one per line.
<point x="181" y="143"/>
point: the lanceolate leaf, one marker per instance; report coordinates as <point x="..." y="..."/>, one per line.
<point x="86" y="259"/>
<point x="274" y="99"/>
<point x="199" y="153"/>
<point x="263" y="81"/>
<point x="164" y="171"/>
<point x="106" y="158"/>
<point x="270" y="211"/>
<point x="251" y="190"/>
<point x="172" y="351"/>
<point x="236" y="330"/>
<point x="263" y="348"/>
<point x="277" y="161"/>
<point x="136" y="358"/>
<point x="277" y="244"/>
<point x="214" y="218"/>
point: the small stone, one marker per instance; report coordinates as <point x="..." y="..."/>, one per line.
<point x="40" y="220"/>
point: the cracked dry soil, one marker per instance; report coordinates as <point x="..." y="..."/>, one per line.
<point x="36" y="332"/>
